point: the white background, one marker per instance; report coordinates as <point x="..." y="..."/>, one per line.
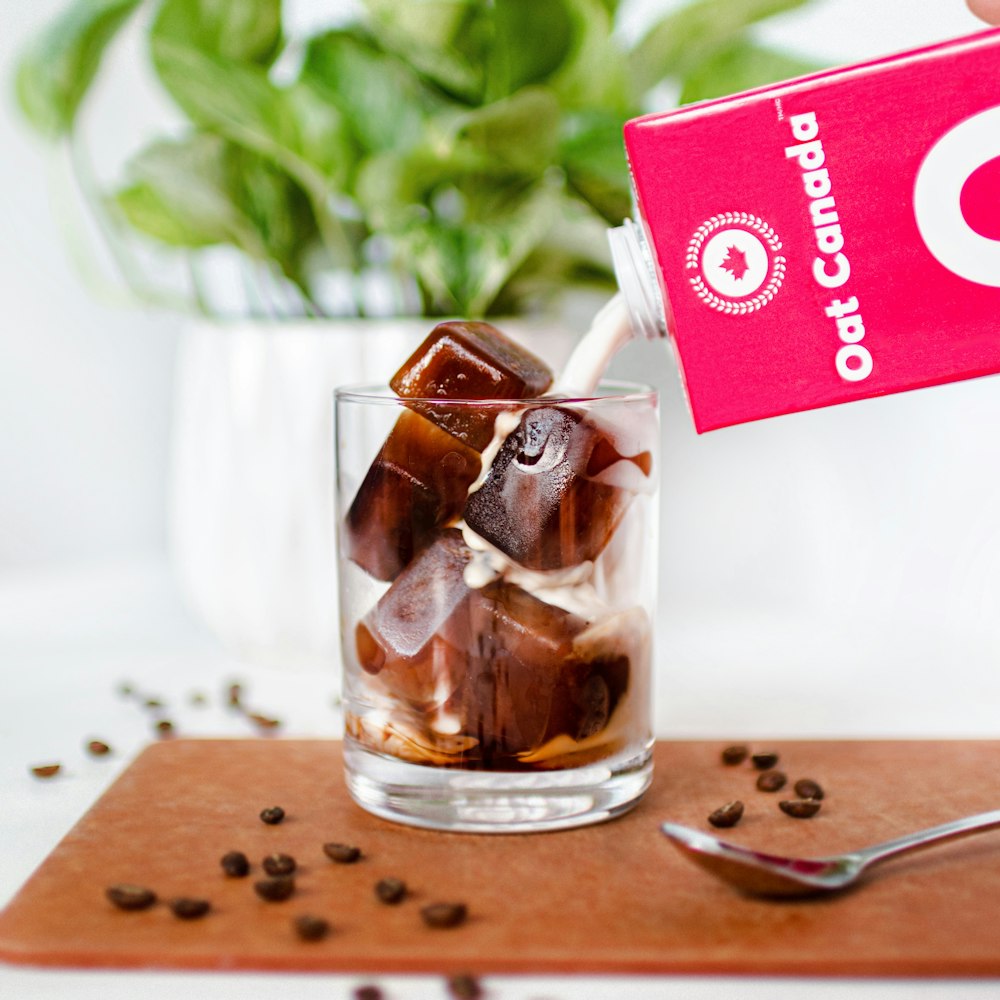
<point x="836" y="546"/>
<point x="832" y="573"/>
<point x="85" y="380"/>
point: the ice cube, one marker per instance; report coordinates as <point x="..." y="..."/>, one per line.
<point x="545" y="502"/>
<point x="524" y="682"/>
<point x="469" y="360"/>
<point x="402" y="640"/>
<point x="416" y="485"/>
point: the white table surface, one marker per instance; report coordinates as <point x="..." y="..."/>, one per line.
<point x="69" y="638"/>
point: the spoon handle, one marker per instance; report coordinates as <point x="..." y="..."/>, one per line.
<point x="925" y="838"/>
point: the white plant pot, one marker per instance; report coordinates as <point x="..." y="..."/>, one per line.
<point x="251" y="524"/>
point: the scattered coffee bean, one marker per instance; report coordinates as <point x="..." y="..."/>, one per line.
<point x="728" y="815"/>
<point x="130" y="897"/>
<point x="345" y="854"/>
<point x="164" y="728"/>
<point x="279" y="864"/>
<point x="46" y="770"/>
<point x="390" y="890"/>
<point x="735" y="754"/>
<point x="311" y="928"/>
<point x="235" y="864"/>
<point x="444" y="914"/>
<point x="274" y="890"/>
<point x="771" y="781"/>
<point x="806" y="788"/>
<point x="465" y="987"/>
<point x="800" y="808"/>
<point x="764" y="761"/>
<point x="234" y="696"/>
<point x="368" y="993"/>
<point x="273" y="815"/>
<point x="188" y="908"/>
<point x="263" y="721"/>
<point x="98" y="748"/>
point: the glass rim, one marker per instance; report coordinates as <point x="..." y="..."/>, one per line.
<point x="608" y="391"/>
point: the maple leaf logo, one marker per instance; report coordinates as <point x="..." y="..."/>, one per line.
<point x="735" y="263"/>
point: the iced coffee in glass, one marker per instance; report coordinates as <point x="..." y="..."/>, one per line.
<point x="497" y="562"/>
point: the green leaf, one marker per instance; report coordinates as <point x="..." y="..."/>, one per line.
<point x="292" y="127"/>
<point x="203" y="191"/>
<point x="463" y="263"/>
<point x="446" y="41"/>
<point x="317" y="133"/>
<point x="738" y="67"/>
<point x="382" y="100"/>
<point x="531" y="38"/>
<point x="518" y="133"/>
<point x="179" y="193"/>
<point x="678" y="43"/>
<point x="239" y="30"/>
<point x="278" y="209"/>
<point x="593" y="156"/>
<point x="594" y="72"/>
<point x="56" y="71"/>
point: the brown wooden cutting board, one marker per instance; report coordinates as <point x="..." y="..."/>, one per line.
<point x="613" y="898"/>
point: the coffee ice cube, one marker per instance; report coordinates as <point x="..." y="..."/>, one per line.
<point x="416" y="485"/>
<point x="547" y="502"/>
<point x="407" y="640"/>
<point x="469" y="360"/>
<point x="524" y="683"/>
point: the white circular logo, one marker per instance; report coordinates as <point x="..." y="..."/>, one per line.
<point x="734" y="263"/>
<point x="956" y="199"/>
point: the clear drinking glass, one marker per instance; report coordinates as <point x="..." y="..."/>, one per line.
<point x="497" y="606"/>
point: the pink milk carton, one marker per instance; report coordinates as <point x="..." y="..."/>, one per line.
<point x="827" y="239"/>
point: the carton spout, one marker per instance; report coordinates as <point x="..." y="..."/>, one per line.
<point x="636" y="273"/>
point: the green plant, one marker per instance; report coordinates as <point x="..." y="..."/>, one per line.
<point x="473" y="146"/>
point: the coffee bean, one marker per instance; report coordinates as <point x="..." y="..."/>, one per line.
<point x="164" y="728"/>
<point x="444" y="914"/>
<point x="235" y="864"/>
<point x="263" y="721"/>
<point x="46" y="770"/>
<point x="806" y="788"/>
<point x="727" y="815"/>
<point x="390" y="890"/>
<point x="800" y="808"/>
<point x="368" y="993"/>
<point x="188" y="908"/>
<point x="234" y="695"/>
<point x="311" y="928"/>
<point x="465" y="987"/>
<point x="279" y="864"/>
<point x="345" y="854"/>
<point x="764" y="761"/>
<point x="772" y="781"/>
<point x="98" y="748"/>
<point x="276" y="889"/>
<point x="735" y="754"/>
<point x="273" y="815"/>
<point x="130" y="897"/>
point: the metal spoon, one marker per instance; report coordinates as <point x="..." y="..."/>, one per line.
<point x="762" y="874"/>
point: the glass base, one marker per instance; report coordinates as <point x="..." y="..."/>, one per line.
<point x="494" y="801"/>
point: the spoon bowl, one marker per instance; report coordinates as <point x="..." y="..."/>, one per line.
<point x="761" y="874"/>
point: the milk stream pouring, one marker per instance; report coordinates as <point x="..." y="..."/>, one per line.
<point x="826" y="239"/>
